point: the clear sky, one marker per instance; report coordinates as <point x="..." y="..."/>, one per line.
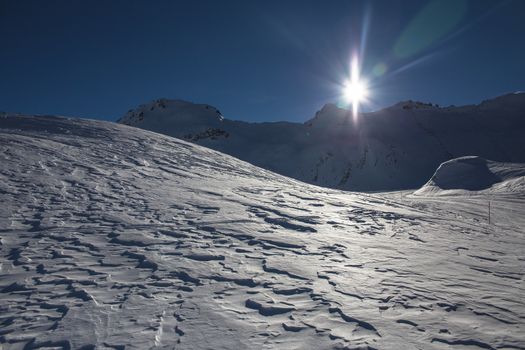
<point x="263" y="60"/>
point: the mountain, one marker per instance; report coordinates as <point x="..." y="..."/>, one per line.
<point x="395" y="148"/>
<point x="113" y="237"/>
<point x="470" y="175"/>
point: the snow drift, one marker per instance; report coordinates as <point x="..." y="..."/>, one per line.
<point x="473" y="174"/>
<point x="395" y="148"/>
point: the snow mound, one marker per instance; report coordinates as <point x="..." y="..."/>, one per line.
<point x="475" y="174"/>
<point x="468" y="173"/>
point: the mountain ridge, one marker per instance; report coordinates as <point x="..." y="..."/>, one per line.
<point x="398" y="147"/>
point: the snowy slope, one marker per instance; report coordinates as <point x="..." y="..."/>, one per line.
<point x="472" y="175"/>
<point x="113" y="237"/>
<point x="395" y="148"/>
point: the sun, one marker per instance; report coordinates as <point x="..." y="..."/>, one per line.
<point x="355" y="90"/>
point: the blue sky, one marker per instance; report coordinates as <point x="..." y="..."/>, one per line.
<point x="254" y="60"/>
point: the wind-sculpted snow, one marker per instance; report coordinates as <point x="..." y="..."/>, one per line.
<point x="112" y="237"/>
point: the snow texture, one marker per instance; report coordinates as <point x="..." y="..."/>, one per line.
<point x="112" y="237"/>
<point x="399" y="147"/>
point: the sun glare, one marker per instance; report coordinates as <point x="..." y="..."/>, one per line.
<point x="355" y="90"/>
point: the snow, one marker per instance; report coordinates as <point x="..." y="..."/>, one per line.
<point x="473" y="174"/>
<point x="399" y="147"/>
<point x="113" y="237"/>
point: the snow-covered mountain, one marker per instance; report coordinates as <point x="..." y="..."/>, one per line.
<point x="114" y="237"/>
<point x="395" y="148"/>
